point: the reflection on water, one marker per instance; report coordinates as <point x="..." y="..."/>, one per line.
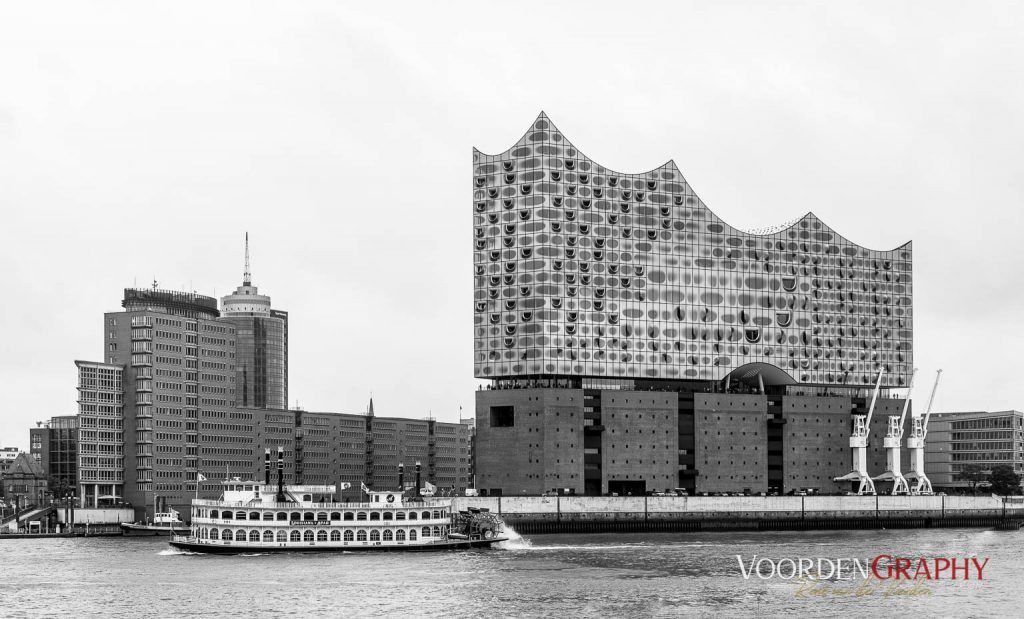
<point x="633" y="575"/>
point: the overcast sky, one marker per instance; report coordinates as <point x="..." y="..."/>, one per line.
<point x="142" y="140"/>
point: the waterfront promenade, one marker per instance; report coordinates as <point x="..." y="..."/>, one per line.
<point x="748" y="513"/>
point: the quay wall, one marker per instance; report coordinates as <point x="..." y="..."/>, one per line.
<point x="99" y="515"/>
<point x="531" y="514"/>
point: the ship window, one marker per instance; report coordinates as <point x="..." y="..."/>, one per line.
<point x="321" y="516"/>
<point x="296" y="536"/>
<point x="307" y="536"/>
<point x="400" y="535"/>
<point x="437" y="531"/>
<point x="374" y="515"/>
<point x="307" y="516"/>
<point x="296" y="516"/>
<point x="349" y="516"/>
<point x="214" y="534"/>
<point x="268" y="515"/>
<point x="228" y="535"/>
<point x="335" y="536"/>
<point x="400" y="516"/>
<point x="335" y="515"/>
<point x="412" y="535"/>
<point x="388" y="536"/>
<point x="426" y="515"/>
<point x="348" y="536"/>
<point x="214" y="514"/>
<point x="282" y="516"/>
<point x="426" y="531"/>
<point x="254" y="536"/>
<point x="307" y="498"/>
<point x="268" y="536"/>
<point x="361" y="536"/>
<point x="254" y="516"/>
<point x="321" y="536"/>
<point x="374" y="535"/>
<point x="361" y="516"/>
<point x="437" y="514"/>
<point x="239" y="515"/>
<point x="282" y="536"/>
<point x="413" y="515"/>
<point x="389" y="516"/>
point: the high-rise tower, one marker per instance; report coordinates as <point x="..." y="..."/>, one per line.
<point x="261" y="344"/>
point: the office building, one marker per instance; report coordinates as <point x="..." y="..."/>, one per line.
<point x="634" y="341"/>
<point x="7" y="456"/>
<point x="54" y="445"/>
<point x="959" y="439"/>
<point x="179" y="370"/>
<point x="101" y="428"/>
<point x="261" y="345"/>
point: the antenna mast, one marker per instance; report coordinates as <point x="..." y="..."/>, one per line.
<point x="247" y="277"/>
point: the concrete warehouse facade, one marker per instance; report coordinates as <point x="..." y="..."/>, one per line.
<point x="634" y="341"/>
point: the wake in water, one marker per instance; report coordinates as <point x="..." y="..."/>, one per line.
<point x="515" y="540"/>
<point x="174" y="551"/>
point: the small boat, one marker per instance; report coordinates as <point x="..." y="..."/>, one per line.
<point x="164" y="523"/>
<point x="253" y="517"/>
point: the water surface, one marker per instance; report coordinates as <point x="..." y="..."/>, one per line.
<point x="613" y="575"/>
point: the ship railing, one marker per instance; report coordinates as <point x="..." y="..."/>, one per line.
<point x="321" y="506"/>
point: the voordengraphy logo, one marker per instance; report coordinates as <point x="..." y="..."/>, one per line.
<point x="883" y="574"/>
<point x="882" y="567"/>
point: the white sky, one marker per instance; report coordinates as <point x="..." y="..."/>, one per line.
<point x="144" y="139"/>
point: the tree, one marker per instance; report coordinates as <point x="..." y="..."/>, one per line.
<point x="974" y="475"/>
<point x="58" y="488"/>
<point x="1004" y="480"/>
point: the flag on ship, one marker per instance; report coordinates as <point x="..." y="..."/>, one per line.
<point x="345" y="485"/>
<point x="363" y="487"/>
<point x="430" y="487"/>
<point x="200" y="477"/>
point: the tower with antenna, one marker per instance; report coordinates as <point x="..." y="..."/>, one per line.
<point x="261" y="338"/>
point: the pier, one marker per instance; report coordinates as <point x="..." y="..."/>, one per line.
<point x="578" y="514"/>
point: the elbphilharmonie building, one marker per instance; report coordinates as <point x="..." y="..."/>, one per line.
<point x="599" y="284"/>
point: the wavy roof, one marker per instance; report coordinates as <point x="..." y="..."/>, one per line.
<point x="544" y="123"/>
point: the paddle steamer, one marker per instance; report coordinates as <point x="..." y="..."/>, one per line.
<point x="255" y="517"/>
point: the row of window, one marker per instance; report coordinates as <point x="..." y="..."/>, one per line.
<point x="323" y="516"/>
<point x="373" y="535"/>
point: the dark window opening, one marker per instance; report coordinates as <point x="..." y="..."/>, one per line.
<point x="502" y="416"/>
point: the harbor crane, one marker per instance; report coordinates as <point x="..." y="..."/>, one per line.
<point x="893" y="441"/>
<point x="859" y="446"/>
<point x="918" y="433"/>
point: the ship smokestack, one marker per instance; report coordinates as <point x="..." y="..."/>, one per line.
<point x="266" y="467"/>
<point x="280" y="474"/>
<point x="417" y="478"/>
<point x="401" y="477"/>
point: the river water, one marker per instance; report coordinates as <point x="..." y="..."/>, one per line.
<point x="614" y="575"/>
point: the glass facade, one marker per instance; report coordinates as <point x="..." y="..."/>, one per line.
<point x="261" y="360"/>
<point x="583" y="271"/>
